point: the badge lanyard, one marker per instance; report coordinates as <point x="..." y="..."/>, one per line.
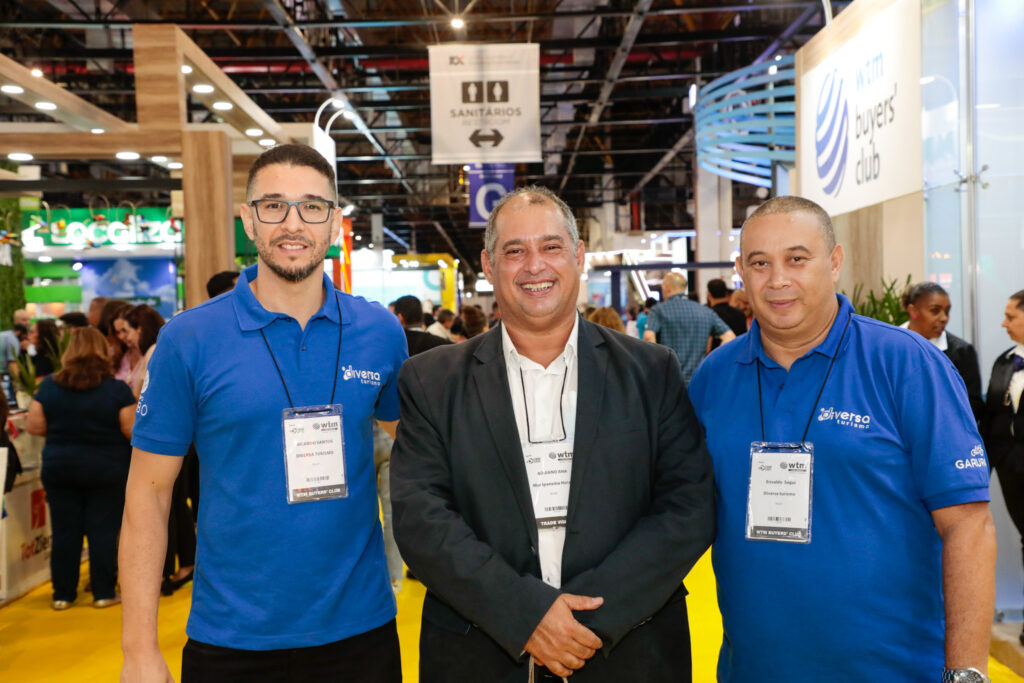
<point x="781" y="477"/>
<point x="314" y="444"/>
<point x="561" y="414"/>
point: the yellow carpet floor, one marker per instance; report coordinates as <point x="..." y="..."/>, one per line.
<point x="82" y="644"/>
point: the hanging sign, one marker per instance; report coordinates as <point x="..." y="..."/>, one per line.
<point x="485" y="103"/>
<point x="487" y="184"/>
<point x="859" y="113"/>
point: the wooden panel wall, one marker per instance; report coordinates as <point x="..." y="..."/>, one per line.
<point x="209" y="218"/>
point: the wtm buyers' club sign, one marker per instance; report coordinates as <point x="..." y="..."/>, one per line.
<point x="485" y="103"/>
<point x="860" y="115"/>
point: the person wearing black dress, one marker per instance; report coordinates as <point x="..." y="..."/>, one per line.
<point x="928" y="305"/>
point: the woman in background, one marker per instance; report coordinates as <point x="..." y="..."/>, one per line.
<point x="606" y="316"/>
<point x="120" y="356"/>
<point x="86" y="416"/>
<point x="1002" y="425"/>
<point x="928" y="305"/>
<point x="143" y="323"/>
<point x="43" y="336"/>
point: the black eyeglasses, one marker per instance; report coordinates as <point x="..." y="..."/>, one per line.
<point x="276" y="210"/>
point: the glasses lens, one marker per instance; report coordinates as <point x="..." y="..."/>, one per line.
<point x="314" y="211"/>
<point x="271" y="210"/>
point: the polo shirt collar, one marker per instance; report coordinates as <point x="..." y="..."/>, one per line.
<point x="252" y="316"/>
<point x="753" y="349"/>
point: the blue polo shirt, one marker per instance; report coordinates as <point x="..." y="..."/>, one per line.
<point x="893" y="439"/>
<point x="270" y="575"/>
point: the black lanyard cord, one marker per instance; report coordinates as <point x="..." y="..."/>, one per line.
<point x="337" y="359"/>
<point x="814" y="408"/>
<point x="526" y="405"/>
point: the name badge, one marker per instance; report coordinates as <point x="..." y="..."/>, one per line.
<point x="314" y="453"/>
<point x="549" y="471"/>
<point x="779" y="492"/>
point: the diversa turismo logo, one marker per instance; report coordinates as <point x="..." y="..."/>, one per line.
<point x="831" y="141"/>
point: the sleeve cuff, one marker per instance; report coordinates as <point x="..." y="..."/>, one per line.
<point x="159" y="447"/>
<point x="959" y="497"/>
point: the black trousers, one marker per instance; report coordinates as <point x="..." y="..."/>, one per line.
<point x="1011" y="482"/>
<point x="371" y="657"/>
<point x="84" y="503"/>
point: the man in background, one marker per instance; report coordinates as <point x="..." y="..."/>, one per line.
<point x="442" y="326"/>
<point x="684" y="325"/>
<point x="718" y="301"/>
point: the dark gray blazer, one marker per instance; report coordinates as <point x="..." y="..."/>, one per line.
<point x="641" y="509"/>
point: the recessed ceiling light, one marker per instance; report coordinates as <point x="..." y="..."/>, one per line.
<point x="12" y="89"/>
<point x="175" y="165"/>
<point x="37" y="73"/>
<point x="98" y="131"/>
<point x="268" y="142"/>
<point x="223" y="106"/>
<point x="457" y="22"/>
<point x="46" y="106"/>
<point x="253" y="132"/>
<point x="45" y="259"/>
<point x="203" y="88"/>
<point x="186" y="69"/>
<point x="159" y="158"/>
<point x="127" y="156"/>
<point x="19" y="156"/>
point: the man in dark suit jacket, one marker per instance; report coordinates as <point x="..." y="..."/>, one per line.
<point x="638" y="508"/>
<point x="409" y="310"/>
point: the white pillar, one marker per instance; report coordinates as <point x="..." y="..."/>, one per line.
<point x="714" y="221"/>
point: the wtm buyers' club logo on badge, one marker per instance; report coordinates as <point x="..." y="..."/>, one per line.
<point x="364" y="376"/>
<point x="831" y="140"/>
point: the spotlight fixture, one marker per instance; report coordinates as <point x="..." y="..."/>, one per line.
<point x="127" y="156"/>
<point x="268" y="142"/>
<point x="349" y="114"/>
<point x="337" y="104"/>
<point x="45" y="259"/>
<point x="203" y="88"/>
<point x="38" y="73"/>
<point x="348" y="209"/>
<point x="253" y="132"/>
<point x="46" y="106"/>
<point x="186" y="69"/>
<point x="159" y="158"/>
<point x="175" y="165"/>
<point x="97" y="131"/>
<point x="223" y="106"/>
<point x="11" y="89"/>
<point x="458" y="22"/>
<point x="19" y="156"/>
<point x="76" y="266"/>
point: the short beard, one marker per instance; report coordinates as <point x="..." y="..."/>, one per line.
<point x="296" y="274"/>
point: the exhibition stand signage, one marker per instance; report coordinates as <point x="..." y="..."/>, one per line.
<point x="859" y="113"/>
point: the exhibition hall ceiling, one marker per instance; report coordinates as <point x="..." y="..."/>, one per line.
<point x="615" y="78"/>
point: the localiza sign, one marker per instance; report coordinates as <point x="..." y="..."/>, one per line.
<point x="485" y="103"/>
<point x="80" y="228"/>
<point x="860" y="115"/>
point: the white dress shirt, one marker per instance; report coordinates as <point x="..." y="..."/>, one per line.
<point x="535" y="400"/>
<point x="941" y="342"/>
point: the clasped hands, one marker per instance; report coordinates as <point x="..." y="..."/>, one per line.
<point x="561" y="643"/>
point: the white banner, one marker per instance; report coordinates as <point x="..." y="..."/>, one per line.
<point x="25" y="538"/>
<point x="485" y="103"/>
<point x="860" y="115"/>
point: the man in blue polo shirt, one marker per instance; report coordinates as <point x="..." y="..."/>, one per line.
<point x="854" y="538"/>
<point x="277" y="383"/>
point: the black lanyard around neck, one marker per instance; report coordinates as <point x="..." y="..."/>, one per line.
<point x="814" y="408"/>
<point x="526" y="406"/>
<point x="337" y="359"/>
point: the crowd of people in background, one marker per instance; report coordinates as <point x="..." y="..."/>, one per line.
<point x="88" y="370"/>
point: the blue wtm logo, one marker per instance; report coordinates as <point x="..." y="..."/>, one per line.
<point x="831" y="141"/>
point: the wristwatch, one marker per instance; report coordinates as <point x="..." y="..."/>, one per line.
<point x="964" y="676"/>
